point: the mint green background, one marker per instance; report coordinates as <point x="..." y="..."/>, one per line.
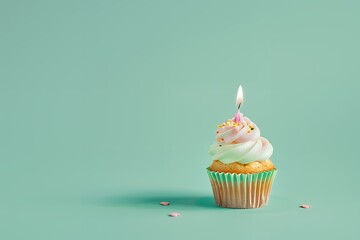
<point x="109" y="107"/>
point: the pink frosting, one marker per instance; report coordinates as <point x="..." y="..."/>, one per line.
<point x="238" y="134"/>
<point x="240" y="141"/>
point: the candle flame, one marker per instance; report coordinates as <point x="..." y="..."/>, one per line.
<point x="239" y="98"/>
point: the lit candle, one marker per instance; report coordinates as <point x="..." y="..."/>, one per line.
<point x="238" y="117"/>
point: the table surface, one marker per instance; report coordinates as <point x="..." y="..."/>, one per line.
<point x="109" y="107"/>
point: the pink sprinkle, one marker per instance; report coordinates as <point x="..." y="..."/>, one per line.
<point x="174" y="214"/>
<point x="165" y="203"/>
<point x="305" y="206"/>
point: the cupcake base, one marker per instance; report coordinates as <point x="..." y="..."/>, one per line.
<point x="233" y="190"/>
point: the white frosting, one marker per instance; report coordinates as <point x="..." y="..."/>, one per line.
<point x="241" y="144"/>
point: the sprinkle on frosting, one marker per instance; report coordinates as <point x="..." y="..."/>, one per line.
<point x="229" y="123"/>
<point x="232" y="123"/>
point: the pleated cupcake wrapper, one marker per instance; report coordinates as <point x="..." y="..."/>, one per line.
<point x="233" y="190"/>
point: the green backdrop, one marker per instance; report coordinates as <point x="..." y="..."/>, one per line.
<point x="109" y="107"/>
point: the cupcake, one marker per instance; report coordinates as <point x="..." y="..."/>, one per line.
<point x="241" y="173"/>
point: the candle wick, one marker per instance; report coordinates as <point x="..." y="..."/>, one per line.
<point x="239" y="107"/>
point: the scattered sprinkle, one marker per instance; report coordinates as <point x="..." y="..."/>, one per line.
<point x="305" y="206"/>
<point x="174" y="214"/>
<point x="220" y="145"/>
<point x="164" y="203"/>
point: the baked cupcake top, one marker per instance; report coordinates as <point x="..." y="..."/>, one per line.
<point x="240" y="141"/>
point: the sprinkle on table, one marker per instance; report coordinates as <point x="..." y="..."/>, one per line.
<point x="164" y="203"/>
<point x="305" y="206"/>
<point x="174" y="214"/>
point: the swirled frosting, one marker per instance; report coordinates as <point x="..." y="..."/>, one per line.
<point x="240" y="141"/>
